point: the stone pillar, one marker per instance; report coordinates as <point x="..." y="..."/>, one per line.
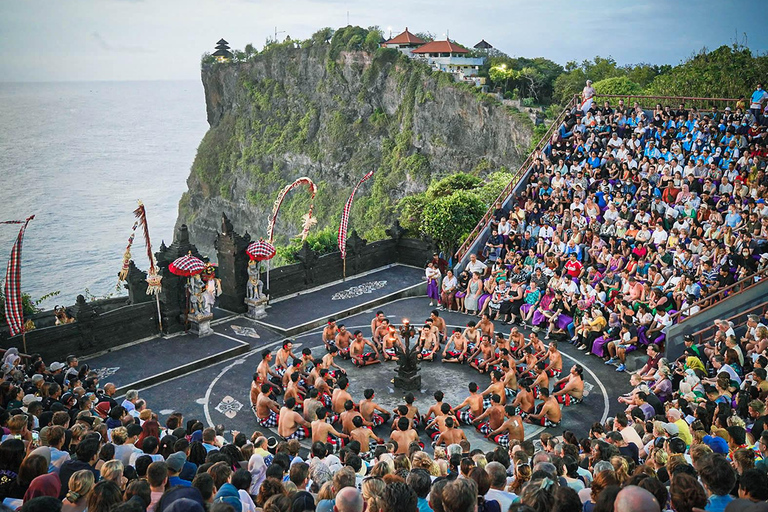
<point x="136" y="284"/>
<point x="233" y="266"/>
<point x="308" y="259"/>
<point x="355" y="246"/>
<point x="173" y="297"/>
<point x="85" y="314"/>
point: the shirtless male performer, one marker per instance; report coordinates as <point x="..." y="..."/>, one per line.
<point x="329" y="334"/>
<point x="429" y="345"/>
<point x="496" y="387"/>
<point x="511" y="429"/>
<point x="494" y="415"/>
<point x="472" y="335"/>
<point x="404" y="435"/>
<point x="549" y="413"/>
<point x="439" y="324"/>
<point x="390" y="342"/>
<point x="264" y="372"/>
<point x="333" y="369"/>
<point x="348" y="415"/>
<point x="291" y="424"/>
<point x="570" y="389"/>
<point x="363" y="435"/>
<point x="474" y="403"/>
<point x="340" y="395"/>
<point x="555" y="366"/>
<point x="435" y="409"/>
<point x="284" y="357"/>
<point x="371" y="411"/>
<point x="266" y="409"/>
<point x="486" y="326"/>
<point x="524" y="401"/>
<point x="325" y="433"/>
<point x="377" y="322"/>
<point x="343" y="341"/>
<point x="458" y="353"/>
<point x="483" y="354"/>
<point x="358" y="354"/>
<point x="381" y="332"/>
<point x="437" y="425"/>
<point x="451" y="434"/>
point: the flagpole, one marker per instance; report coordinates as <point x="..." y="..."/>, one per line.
<point x="24" y="340"/>
<point x="344" y="275"/>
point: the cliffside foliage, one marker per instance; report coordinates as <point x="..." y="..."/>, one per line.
<point x="451" y="207"/>
<point x="334" y="107"/>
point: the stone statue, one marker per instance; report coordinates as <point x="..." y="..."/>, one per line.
<point x="255" y="286"/>
<point x="196" y="299"/>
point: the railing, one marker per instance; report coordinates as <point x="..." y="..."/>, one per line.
<point x="516" y="178"/>
<point x="715" y="298"/>
<point x="701" y="335"/>
<point x="688" y="101"/>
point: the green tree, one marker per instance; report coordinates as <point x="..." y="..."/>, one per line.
<point x="452" y="183"/>
<point x="727" y="72"/>
<point x="618" y="86"/>
<point x="449" y="219"/>
<point x="250" y="51"/>
<point x="373" y="39"/>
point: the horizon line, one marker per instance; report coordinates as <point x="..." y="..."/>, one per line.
<point x="98" y="80"/>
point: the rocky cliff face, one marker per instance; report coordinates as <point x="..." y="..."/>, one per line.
<point x="334" y="116"/>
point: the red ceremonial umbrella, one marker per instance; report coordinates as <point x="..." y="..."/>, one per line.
<point x="261" y="250"/>
<point x="187" y="266"/>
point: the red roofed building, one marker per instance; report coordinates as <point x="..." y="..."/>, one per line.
<point x="405" y="42"/>
<point x="445" y="48"/>
<point x="449" y="57"/>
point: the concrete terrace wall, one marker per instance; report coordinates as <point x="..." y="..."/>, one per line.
<point x="88" y="336"/>
<point x="328" y="268"/>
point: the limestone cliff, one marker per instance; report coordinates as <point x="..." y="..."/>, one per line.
<point x="295" y="110"/>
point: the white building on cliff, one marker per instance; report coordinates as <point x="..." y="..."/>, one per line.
<point x="444" y="56"/>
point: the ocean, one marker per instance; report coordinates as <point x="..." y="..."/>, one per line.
<point x="78" y="155"/>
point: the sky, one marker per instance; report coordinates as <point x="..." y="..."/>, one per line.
<point x="82" y="40"/>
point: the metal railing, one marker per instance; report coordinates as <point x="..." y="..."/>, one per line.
<point x="650" y="102"/>
<point x="710" y="301"/>
<point x="702" y="335"/>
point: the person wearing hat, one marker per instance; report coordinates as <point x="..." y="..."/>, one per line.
<point x="675" y="417"/>
<point x="175" y="463"/>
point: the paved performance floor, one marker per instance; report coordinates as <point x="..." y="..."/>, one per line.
<point x="317" y="306"/>
<point x="219" y="394"/>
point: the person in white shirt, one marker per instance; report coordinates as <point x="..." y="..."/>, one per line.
<point x="498" y="474"/>
<point x="659" y="236"/>
<point x="475" y="266"/>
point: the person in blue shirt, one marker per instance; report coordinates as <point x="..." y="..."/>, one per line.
<point x="175" y="463"/>
<point x="718" y="478"/>
<point x="419" y="480"/>
<point x="756" y="101"/>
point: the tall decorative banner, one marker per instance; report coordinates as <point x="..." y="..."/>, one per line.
<point x="307" y="217"/>
<point x="153" y="279"/>
<point x="345" y="217"/>
<point x="14" y="311"/>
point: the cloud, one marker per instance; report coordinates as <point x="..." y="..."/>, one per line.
<point x="108" y="47"/>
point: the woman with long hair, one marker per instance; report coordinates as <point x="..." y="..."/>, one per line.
<point x="149" y="428"/>
<point x="80" y="487"/>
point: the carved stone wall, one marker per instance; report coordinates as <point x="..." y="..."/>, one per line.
<point x="233" y="266"/>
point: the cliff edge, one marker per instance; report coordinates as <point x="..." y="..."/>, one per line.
<point x="333" y="115"/>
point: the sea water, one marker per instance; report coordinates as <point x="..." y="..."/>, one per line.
<point x="78" y="155"/>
